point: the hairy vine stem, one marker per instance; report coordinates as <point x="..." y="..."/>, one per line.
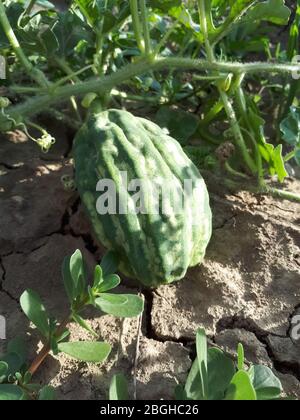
<point x="146" y="30"/>
<point x="104" y="84"/>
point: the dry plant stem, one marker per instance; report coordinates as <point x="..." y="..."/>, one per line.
<point x="137" y="351"/>
<point x="120" y="345"/>
<point x="46" y="349"/>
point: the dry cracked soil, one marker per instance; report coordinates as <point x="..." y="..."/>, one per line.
<point x="247" y="290"/>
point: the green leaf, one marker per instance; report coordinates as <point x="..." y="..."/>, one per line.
<point x="93" y="352"/>
<point x="27" y="378"/>
<point x="10" y="392"/>
<point x="35" y="311"/>
<point x="74" y="275"/>
<point x="180" y="394"/>
<point x="273" y="156"/>
<point x="98" y="276"/>
<point x="96" y="12"/>
<point x="290" y="127"/>
<point x="110" y="282"/>
<point x="183" y="16"/>
<point x="181" y="125"/>
<point x="238" y="7"/>
<point x="67" y="279"/>
<point x="13" y="362"/>
<point x="266" y="384"/>
<point x="209" y="19"/>
<point x="13" y="12"/>
<point x="125" y="306"/>
<point x="193" y="385"/>
<point x="279" y="164"/>
<point x="77" y="269"/>
<point x="241" y="357"/>
<point x="90" y="9"/>
<point x="53" y="343"/>
<point x="92" y="295"/>
<point x="241" y="388"/>
<point x="201" y="345"/>
<point x="36" y="35"/>
<point x="109" y="263"/>
<point x="77" y="318"/>
<point x="14" y="359"/>
<point x="297" y="156"/>
<point x="221" y="370"/>
<point x="112" y="299"/>
<point x="63" y="336"/>
<point x="118" y="390"/>
<point x="17" y="345"/>
<point x="46" y="4"/>
<point x="69" y="31"/>
<point x="274" y="11"/>
<point x="47" y="394"/>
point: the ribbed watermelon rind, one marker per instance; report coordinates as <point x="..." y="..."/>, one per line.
<point x="154" y="249"/>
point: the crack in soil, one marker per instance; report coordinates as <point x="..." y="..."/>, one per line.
<point x="2" y="282"/>
<point x="225" y="223"/>
<point x="4" y="272"/>
<point x="242" y="206"/>
<point x="293" y="314"/>
<point x="150" y="333"/>
<point x="30" y="250"/>
<point x="238" y="322"/>
<point x="235" y="322"/>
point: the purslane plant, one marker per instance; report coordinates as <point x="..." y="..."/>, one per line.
<point x="214" y="377"/>
<point x="15" y="374"/>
